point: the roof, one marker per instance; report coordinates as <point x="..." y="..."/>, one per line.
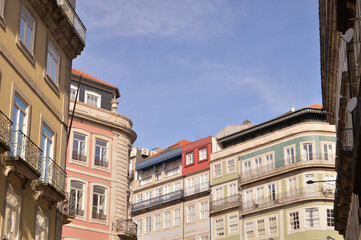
<point x="230" y="129"/>
<point x="78" y="72"/>
<point x="179" y="144"/>
<point x="316" y="106"/>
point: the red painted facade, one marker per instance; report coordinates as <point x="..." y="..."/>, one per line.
<point x="195" y="148"/>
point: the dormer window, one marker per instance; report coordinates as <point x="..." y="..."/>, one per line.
<point x="92" y="98"/>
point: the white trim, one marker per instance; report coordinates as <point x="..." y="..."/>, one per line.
<point x="97" y="95"/>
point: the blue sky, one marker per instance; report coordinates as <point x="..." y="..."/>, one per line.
<point x="185" y="69"/>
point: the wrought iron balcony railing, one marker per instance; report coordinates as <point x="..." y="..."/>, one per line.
<point x="347" y="139"/>
<point x="79" y="156"/>
<point x="5" y="132"/>
<point x="125" y="226"/>
<point x="22" y="148"/>
<point x="69" y="205"/>
<point x="157" y="200"/>
<point x="196" y="189"/>
<point x="73" y="18"/>
<point x="287" y="197"/>
<point x="289" y="163"/>
<point x="52" y="174"/>
<point x="226" y="202"/>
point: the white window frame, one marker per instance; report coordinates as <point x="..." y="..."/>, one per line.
<point x="231" y="168"/>
<point x="26" y="17"/>
<point x="293" y="223"/>
<point x="191" y="213"/>
<point x="139" y="198"/>
<point x="305" y="153"/>
<point x="290" y="155"/>
<point x="330" y="154"/>
<point x="101" y="158"/>
<point x="82" y="152"/>
<point x="203" y="210"/>
<point x="203" y="154"/>
<point x="232" y="189"/>
<point x="41" y="227"/>
<point x="233" y="224"/>
<point x="176" y="217"/>
<point x="292" y="186"/>
<point x="249" y="228"/>
<point x="139" y="223"/>
<point x="272" y="226"/>
<point x="330" y="221"/>
<point x="74" y="88"/>
<point x="166" y="220"/>
<point x="76" y="197"/>
<point x="94" y="94"/>
<point x="189" y="158"/>
<point x="217" y="170"/>
<point x="14" y="228"/>
<point x="106" y="195"/>
<point x="52" y="52"/>
<point x="269" y="161"/>
<point x="148" y="225"/>
<point x="219" y="230"/>
<point x="261" y="228"/>
<point x="157" y="222"/>
<point x="313" y="220"/>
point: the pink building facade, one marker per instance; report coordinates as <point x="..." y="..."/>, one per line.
<point x="98" y="162"/>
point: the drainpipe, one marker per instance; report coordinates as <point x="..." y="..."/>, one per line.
<point x="183" y="210"/>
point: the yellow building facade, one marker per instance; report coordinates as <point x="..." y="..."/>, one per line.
<point x="38" y="41"/>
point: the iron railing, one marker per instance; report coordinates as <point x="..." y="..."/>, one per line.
<point x="79" y="156"/>
<point x="289" y="163"/>
<point x="52" y="174"/>
<point x="347" y="139"/>
<point x="226" y="202"/>
<point x="73" y="18"/>
<point x="157" y="200"/>
<point x="25" y="149"/>
<point x="289" y="196"/>
<point x="126" y="226"/>
<point x="196" y="189"/>
<point x="69" y="205"/>
<point x="5" y="130"/>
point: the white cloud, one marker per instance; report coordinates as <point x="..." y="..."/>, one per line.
<point x="176" y="19"/>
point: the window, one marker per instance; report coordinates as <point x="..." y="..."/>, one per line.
<point x="311" y="187"/>
<point x="231" y="167"/>
<point x="232" y="189"/>
<point x="203" y="237"/>
<point x="167" y="189"/>
<point x="233" y="224"/>
<point x="292" y="187"/>
<point x="77" y="194"/>
<point x="139" y="197"/>
<point x="148" y="224"/>
<point x="157" y="222"/>
<point x="272" y="192"/>
<point x="158" y="177"/>
<point x="189" y="158"/>
<point x="259" y="194"/>
<point x="27" y="30"/>
<point x="176" y="186"/>
<point x="218" y="193"/>
<point x="203" y="181"/>
<point x="79" y="147"/>
<point x="312" y="218"/>
<point x="147" y="195"/>
<point x="247" y="170"/>
<point x="203" y="210"/>
<point x="139" y="227"/>
<point x="249" y="230"/>
<point x="12" y="215"/>
<point x="258" y="165"/>
<point x="248" y="197"/>
<point x="157" y="192"/>
<point x="52" y="62"/>
<point x="19" y="115"/>
<point x="294" y="221"/>
<point x="269" y="161"/>
<point x="290" y="155"/>
<point x="329" y="187"/>
<point x="328" y="152"/>
<point x="172" y="172"/>
<point x="272" y="224"/>
<point x="167" y="219"/>
<point x="99" y="211"/>
<point x="191" y="213"/>
<point x="92" y="98"/>
<point x="202" y="154"/>
<point x="46" y="165"/>
<point x="261" y="231"/>
<point x="101" y="153"/>
<point x="217" y="170"/>
<point x="73" y="91"/>
<point x="219" y="227"/>
<point x="42" y="226"/>
<point x="176" y="217"/>
<point x="190" y="186"/>
<point x="330" y="219"/>
<point x="307" y="151"/>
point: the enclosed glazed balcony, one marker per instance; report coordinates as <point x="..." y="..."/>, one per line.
<point x="196" y="189"/>
<point x="5" y="133"/>
<point x="68" y="208"/>
<point x="225" y="203"/>
<point x="73" y="18"/>
<point x="291" y="163"/>
<point x="52" y="180"/>
<point x="152" y="202"/>
<point x="297" y="195"/>
<point x="24" y="157"/>
<point x="126" y="229"/>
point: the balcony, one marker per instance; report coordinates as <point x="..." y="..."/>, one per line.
<point x="296" y="162"/>
<point x="299" y="195"/>
<point x="196" y="190"/>
<point x="73" y="18"/>
<point x="152" y="202"/>
<point x="52" y="180"/>
<point x="225" y="203"/>
<point x="5" y="133"/>
<point x="81" y="157"/>
<point x="126" y="229"/>
<point x="68" y="208"/>
<point x="24" y="157"/>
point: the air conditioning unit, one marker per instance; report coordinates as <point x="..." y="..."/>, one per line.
<point x="145" y="152"/>
<point x="133" y="153"/>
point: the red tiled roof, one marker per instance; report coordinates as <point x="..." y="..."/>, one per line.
<point x="316" y="106"/>
<point x="78" y="72"/>
<point x="179" y="144"/>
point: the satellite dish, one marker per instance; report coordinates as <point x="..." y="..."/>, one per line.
<point x="351" y="104"/>
<point x="348" y="35"/>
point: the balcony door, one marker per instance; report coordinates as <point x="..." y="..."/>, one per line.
<point x="46" y="163"/>
<point x="19" y="127"/>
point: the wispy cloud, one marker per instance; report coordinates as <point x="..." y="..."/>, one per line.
<point x="177" y="19"/>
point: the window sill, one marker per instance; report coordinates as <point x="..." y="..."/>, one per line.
<point x="85" y="164"/>
<point x="104" y="169"/>
<point x="203" y="160"/>
<point x="189" y="165"/>
<point x="26" y="52"/>
<point x="52" y="84"/>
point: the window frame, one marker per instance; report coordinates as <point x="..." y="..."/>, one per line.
<point x="85" y="194"/>
<point x="148" y="225"/>
<point x="29" y="53"/>
<point x="109" y="150"/>
<point x="43" y="213"/>
<point x="214" y="170"/>
<point x="139" y="226"/>
<point x="249" y="227"/>
<point x="199" y="154"/>
<point x="220" y="234"/>
<point x="106" y="204"/>
<point x="191" y="160"/>
<point x="330" y="220"/>
<point x="76" y="194"/>
<point x="234" y="166"/>
<point x="285" y="155"/>
<point x="292" y="222"/>
<point x="314" y="150"/>
<point x="157" y="224"/>
<point x="177" y="218"/>
<point x="17" y="193"/>
<point x="167" y="221"/>
<point x="203" y="211"/>
<point x="190" y="214"/>
<point x="230" y="231"/>
<point x="54" y="83"/>
<point x="99" y="96"/>
<point x="73" y="87"/>
<point x="87" y="146"/>
<point x="312" y="218"/>
<point x="333" y="154"/>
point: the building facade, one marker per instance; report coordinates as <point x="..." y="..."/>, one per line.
<point x="340" y="76"/>
<point x="98" y="162"/>
<point x="170" y="197"/>
<point x="38" y="41"/>
<point x="258" y="179"/>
